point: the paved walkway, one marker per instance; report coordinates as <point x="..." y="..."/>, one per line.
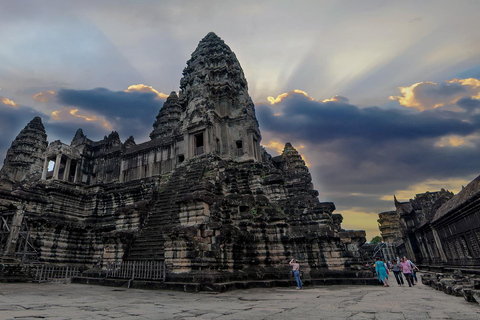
<point x="77" y="301"/>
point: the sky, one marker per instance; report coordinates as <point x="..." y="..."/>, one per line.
<point x="381" y="98"/>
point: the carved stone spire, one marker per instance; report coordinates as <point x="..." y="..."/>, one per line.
<point x="212" y="70"/>
<point x="293" y="160"/>
<point x="25" y="156"/>
<point x="168" y="118"/>
<point x="215" y="97"/>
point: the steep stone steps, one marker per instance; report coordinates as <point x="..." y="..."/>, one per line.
<point x="149" y="243"/>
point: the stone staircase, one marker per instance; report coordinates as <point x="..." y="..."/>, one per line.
<point x="164" y="214"/>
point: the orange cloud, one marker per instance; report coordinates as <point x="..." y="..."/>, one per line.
<point x="282" y="96"/>
<point x="276" y="146"/>
<point x="145" y="88"/>
<point x="8" y="102"/>
<point x="453" y="184"/>
<point x="337" y="98"/>
<point x="430" y="95"/>
<point x="409" y="99"/>
<point x="66" y="114"/>
<point x="455" y="141"/>
<point x="44" y="96"/>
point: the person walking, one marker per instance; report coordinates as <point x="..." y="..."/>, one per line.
<point x="414" y="271"/>
<point x="407" y="271"/>
<point x="382" y="272"/>
<point x="296" y="273"/>
<point x="398" y="273"/>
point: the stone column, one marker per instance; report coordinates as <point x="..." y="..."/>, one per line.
<point x="12" y="240"/>
<point x="45" y="169"/>
<point x="57" y="166"/>
<point x="78" y="171"/>
<point x="439" y="244"/>
<point x="120" y="178"/>
<point x="408" y="247"/>
<point x="66" y="172"/>
<point x="189" y="145"/>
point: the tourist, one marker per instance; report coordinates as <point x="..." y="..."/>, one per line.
<point x="414" y="273"/>
<point x="398" y="273"/>
<point x="382" y="272"/>
<point x="296" y="273"/>
<point x="407" y="271"/>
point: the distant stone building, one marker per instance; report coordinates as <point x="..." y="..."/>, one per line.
<point x="438" y="228"/>
<point x="389" y="225"/>
<point x="202" y="195"/>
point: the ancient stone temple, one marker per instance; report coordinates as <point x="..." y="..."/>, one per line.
<point x="202" y="195"/>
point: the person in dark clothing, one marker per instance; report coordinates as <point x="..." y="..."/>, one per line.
<point x="397" y="272"/>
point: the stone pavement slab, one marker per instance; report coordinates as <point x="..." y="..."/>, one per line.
<point x="78" y="301"/>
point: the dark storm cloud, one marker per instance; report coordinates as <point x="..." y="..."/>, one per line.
<point x="132" y="113"/>
<point x="113" y="104"/>
<point x="316" y="121"/>
<point x="468" y="104"/>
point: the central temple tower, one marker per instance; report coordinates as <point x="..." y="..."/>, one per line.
<point x="214" y="112"/>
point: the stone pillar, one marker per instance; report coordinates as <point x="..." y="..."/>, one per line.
<point x="120" y="178"/>
<point x="66" y="172"/>
<point x="408" y="247"/>
<point x="439" y="244"/>
<point x="58" y="160"/>
<point x="45" y="169"/>
<point x="12" y="240"/>
<point x="78" y="171"/>
<point x="189" y="146"/>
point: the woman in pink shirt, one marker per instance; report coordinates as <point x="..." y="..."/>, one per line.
<point x="296" y="273"/>
<point x="407" y="271"/>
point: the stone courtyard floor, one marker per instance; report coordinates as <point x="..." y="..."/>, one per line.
<point x="78" y="301"/>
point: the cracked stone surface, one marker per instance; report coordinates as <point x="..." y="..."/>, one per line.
<point x="75" y="301"/>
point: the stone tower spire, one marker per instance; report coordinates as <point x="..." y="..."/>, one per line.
<point x="25" y="156"/>
<point x="219" y="114"/>
<point x="168" y="118"/>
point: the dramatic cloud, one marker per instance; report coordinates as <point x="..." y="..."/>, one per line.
<point x="337" y="98"/>
<point x="147" y="89"/>
<point x="71" y="114"/>
<point x="129" y="113"/>
<point x="325" y="121"/>
<point x="44" y="96"/>
<point x="282" y="96"/>
<point x="8" y="102"/>
<point x="430" y="95"/>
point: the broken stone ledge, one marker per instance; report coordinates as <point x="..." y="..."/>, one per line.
<point x="455" y="283"/>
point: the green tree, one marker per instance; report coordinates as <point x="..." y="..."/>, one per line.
<point x="376" y="239"/>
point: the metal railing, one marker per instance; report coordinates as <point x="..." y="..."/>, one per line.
<point x="145" y="270"/>
<point x="45" y="273"/>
